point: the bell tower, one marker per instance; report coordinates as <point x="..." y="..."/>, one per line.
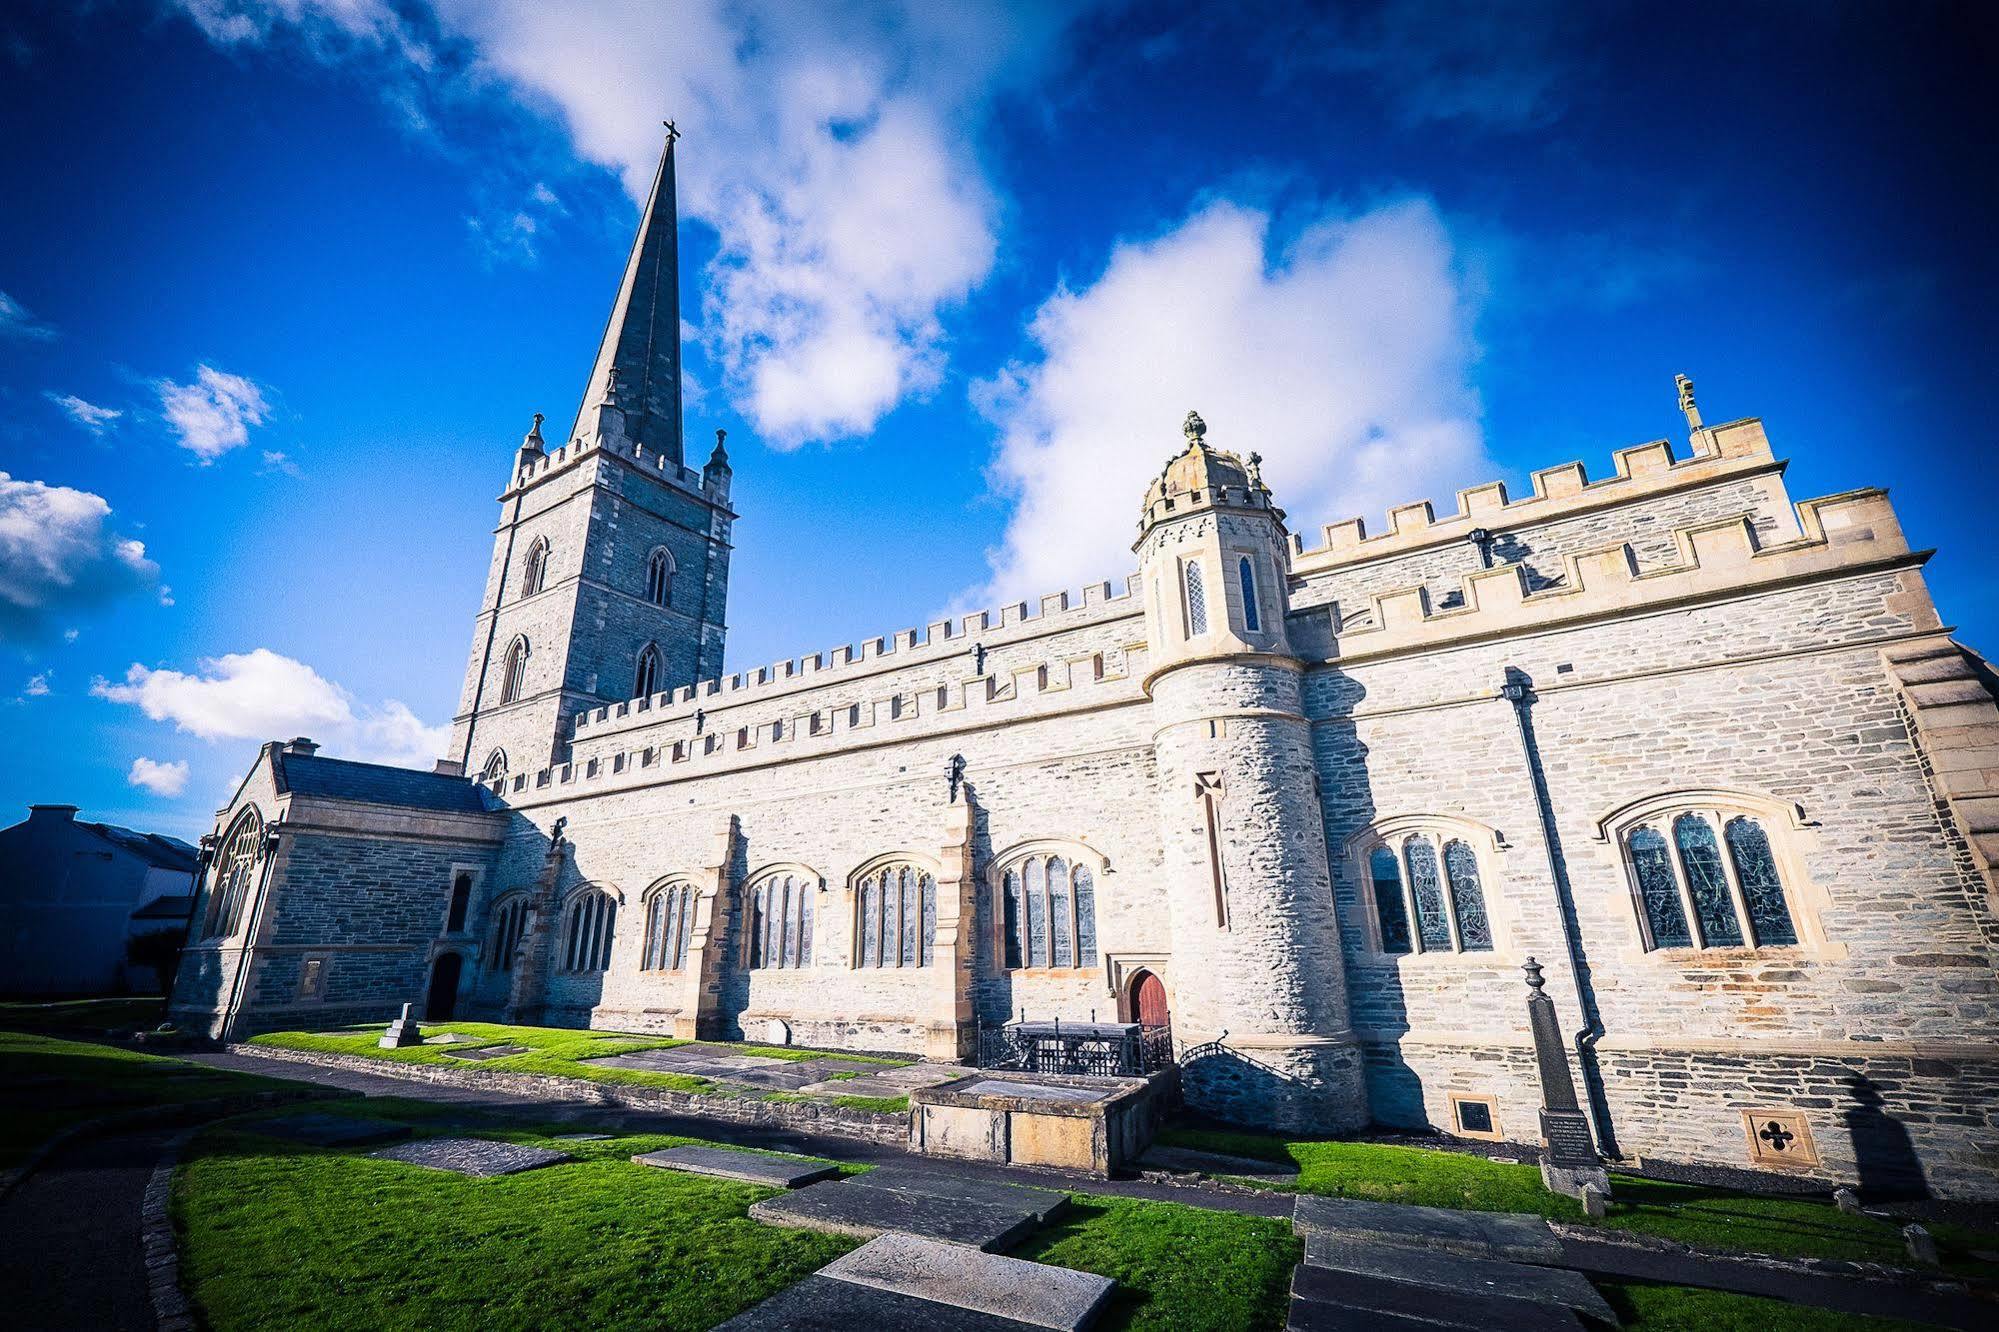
<point x="1256" y="947"/>
<point x="610" y="570"/>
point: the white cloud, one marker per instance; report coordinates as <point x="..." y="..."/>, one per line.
<point x="264" y="695"/>
<point x="1344" y="358"/>
<point x="831" y="151"/>
<point x="37" y="686"/>
<point x="57" y="557"/>
<point x="89" y="415"/>
<point x="165" y="779"/>
<point x="213" y="414"/>
<point x="16" y="322"/>
<point x="277" y="460"/>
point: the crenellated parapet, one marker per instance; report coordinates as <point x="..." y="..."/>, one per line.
<point x="535" y="468"/>
<point x="1643" y="470"/>
<point x="1838" y="534"/>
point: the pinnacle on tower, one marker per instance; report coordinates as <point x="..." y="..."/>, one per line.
<point x="642" y="340"/>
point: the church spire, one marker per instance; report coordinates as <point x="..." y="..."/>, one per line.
<point x="642" y="340"/>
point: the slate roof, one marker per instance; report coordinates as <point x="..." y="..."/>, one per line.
<point x="165" y="908"/>
<point x="378" y="784"/>
<point x="154" y="848"/>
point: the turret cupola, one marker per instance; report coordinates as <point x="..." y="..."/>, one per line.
<point x="1203" y="477"/>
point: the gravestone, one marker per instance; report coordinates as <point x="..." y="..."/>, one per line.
<point x="403" y="1031"/>
<point x="826" y="1304"/>
<point x="777" y="1172"/>
<point x="962" y="1279"/>
<point x="1515" y="1236"/>
<point x="480" y="1157"/>
<point x="850" y="1207"/>
<point x="1445" y="1270"/>
<point x="1570" y="1165"/>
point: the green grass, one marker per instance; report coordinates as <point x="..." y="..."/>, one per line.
<point x="1649" y="1308"/>
<point x="276" y="1234"/>
<point x="48" y="1084"/>
<point x="1176" y="1266"/>
<point x="85" y="1015"/>
<point x="569" y="1053"/>
<point x="1707" y="1218"/>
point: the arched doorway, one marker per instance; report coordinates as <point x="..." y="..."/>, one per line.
<point x="1147" y="1004"/>
<point x="442" y="1001"/>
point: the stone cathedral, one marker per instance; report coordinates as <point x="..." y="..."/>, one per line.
<point x="1708" y="755"/>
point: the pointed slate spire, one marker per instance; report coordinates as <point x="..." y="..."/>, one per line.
<point x="642" y="339"/>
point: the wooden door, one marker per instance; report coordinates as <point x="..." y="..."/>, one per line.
<point x="1149" y="1001"/>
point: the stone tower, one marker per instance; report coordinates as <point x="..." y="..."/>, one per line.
<point x="610" y="569"/>
<point x="1256" y="948"/>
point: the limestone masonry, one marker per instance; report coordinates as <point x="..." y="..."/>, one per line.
<point x="1707" y="755"/>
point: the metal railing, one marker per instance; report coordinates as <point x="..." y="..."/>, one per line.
<point x="1048" y="1048"/>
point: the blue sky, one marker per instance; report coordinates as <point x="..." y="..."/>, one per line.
<point x="952" y="273"/>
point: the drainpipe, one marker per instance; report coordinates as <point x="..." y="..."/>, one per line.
<point x="1519" y="691"/>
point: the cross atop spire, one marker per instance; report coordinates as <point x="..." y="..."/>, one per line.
<point x="642" y="340"/>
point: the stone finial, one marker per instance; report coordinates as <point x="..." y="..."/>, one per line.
<point x="1256" y="470"/>
<point x="532" y="440"/>
<point x="720" y="457"/>
<point x="1686" y="390"/>
<point x="611" y="386"/>
<point x="1195" y="429"/>
<point x="1535" y="980"/>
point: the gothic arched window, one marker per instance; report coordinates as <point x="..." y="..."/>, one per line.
<point x="781" y="908"/>
<point x="1197" y="601"/>
<point x="1426" y="887"/>
<point x="646" y="680"/>
<point x="234" y="866"/>
<point x="1048" y="911"/>
<point x="1707" y="877"/>
<point x="460" y="903"/>
<point x="659" y="577"/>
<point x="1252" y="617"/>
<point x="496" y="766"/>
<point x="510" y="920"/>
<point x="669" y="927"/>
<point x="588" y="924"/>
<point x="534" y="574"/>
<point x="898" y="917"/>
<point x="513" y="675"/>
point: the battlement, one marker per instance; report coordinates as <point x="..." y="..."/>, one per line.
<point x="1559" y="492"/>
<point x="533" y="470"/>
<point x="1839" y="532"/>
<point x="1055" y="613"/>
<point x="709" y="744"/>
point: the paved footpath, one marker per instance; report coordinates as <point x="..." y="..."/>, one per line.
<point x="70" y="1254"/>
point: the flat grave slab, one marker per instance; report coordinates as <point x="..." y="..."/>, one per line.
<point x="448" y="1038"/>
<point x="848" y="1207"/>
<point x="1314" y="1316"/>
<point x="484" y="1052"/>
<point x="1457" y="1272"/>
<point x="323" y="1130"/>
<point x="985" y="1283"/>
<point x="481" y="1157"/>
<point x="582" y="1137"/>
<point x="915" y="1075"/>
<point x="777" y="1172"/>
<point x="1375" y="1295"/>
<point x="1185" y="1160"/>
<point x="1510" y="1235"/>
<point x="1035" y="1091"/>
<point x="824" y="1304"/>
<point x="1041" y="1204"/>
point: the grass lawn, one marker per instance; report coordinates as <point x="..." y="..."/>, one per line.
<point x="1708" y="1218"/>
<point x="568" y="1053"/>
<point x="1176" y="1266"/>
<point x="1649" y="1308"/>
<point x="48" y="1084"/>
<point x="278" y="1234"/>
<point x="85" y="1015"/>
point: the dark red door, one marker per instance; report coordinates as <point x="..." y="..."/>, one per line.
<point x="1149" y="1001"/>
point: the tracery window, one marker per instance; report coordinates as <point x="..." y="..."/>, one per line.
<point x="669" y="927"/>
<point x="510" y="921"/>
<point x="1428" y="893"/>
<point x="534" y="574"/>
<point x="1252" y="617"/>
<point x="659" y="578"/>
<point x="496" y="766"/>
<point x="1197" y="601"/>
<point x="588" y="924"/>
<point x="898" y="917"/>
<point x="513" y="676"/>
<point x="781" y="905"/>
<point x="234" y="868"/>
<point x="1708" y="878"/>
<point x="645" y="680"/>
<point x="1048" y="906"/>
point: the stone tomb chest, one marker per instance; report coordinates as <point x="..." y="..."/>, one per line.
<point x="1076" y="1123"/>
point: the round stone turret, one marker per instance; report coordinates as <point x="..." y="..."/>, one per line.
<point x="1256" y="947"/>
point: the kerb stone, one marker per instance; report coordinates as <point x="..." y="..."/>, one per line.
<point x="778" y="1172"/>
<point x="951" y="1274"/>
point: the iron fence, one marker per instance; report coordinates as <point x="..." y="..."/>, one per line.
<point x="1131" y="1051"/>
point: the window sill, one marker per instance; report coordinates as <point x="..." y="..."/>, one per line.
<point x="1037" y="973"/>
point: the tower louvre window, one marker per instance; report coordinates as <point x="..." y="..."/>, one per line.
<point x="1252" y="618"/>
<point x="514" y="676"/>
<point x="659" y="578"/>
<point x="534" y="576"/>
<point x="1197" y="601"/>
<point x="646" y="680"/>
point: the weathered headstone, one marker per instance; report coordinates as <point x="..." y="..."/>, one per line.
<point x="403" y="1031"/>
<point x="1570" y="1164"/>
<point x="1846" y="1200"/>
<point x="1922" y="1245"/>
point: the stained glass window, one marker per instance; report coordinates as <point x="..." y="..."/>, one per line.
<point x="929" y="920"/>
<point x="1658" y="893"/>
<point x="1050" y="914"/>
<point x="1010" y="890"/>
<point x="1389" y="908"/>
<point x="1467" y="897"/>
<point x="1086" y="918"/>
<point x="1036" y="884"/>
<point x="805" y="892"/>
<point x="780" y="926"/>
<point x="1756" y="870"/>
<point x="1059" y="920"/>
<point x="1197" y="601"/>
<point x="509" y="922"/>
<point x="1707" y="883"/>
<point x="871" y="921"/>
<point x="1432" y="925"/>
<point x="912" y="909"/>
<point x="1252" y="619"/>
<point x="592" y="919"/>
